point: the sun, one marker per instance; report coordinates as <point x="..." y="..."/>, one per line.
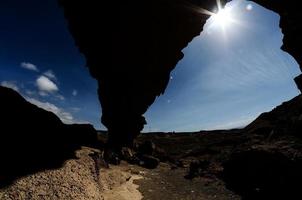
<point x="223" y="17"/>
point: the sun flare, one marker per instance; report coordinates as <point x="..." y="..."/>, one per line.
<point x="223" y="17"/>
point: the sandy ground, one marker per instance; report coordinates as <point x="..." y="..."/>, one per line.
<point x="117" y="184"/>
<point x="78" y="179"/>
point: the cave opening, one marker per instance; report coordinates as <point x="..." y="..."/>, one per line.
<point x="232" y="72"/>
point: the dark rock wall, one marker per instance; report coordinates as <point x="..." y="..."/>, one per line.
<point x="32" y="139"/>
<point x="132" y="46"/>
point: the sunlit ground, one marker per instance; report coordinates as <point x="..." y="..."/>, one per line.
<point x="230" y="74"/>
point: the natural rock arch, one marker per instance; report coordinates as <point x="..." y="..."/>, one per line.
<point x="132" y="46"/>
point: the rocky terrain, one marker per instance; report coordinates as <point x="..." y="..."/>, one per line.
<point x="51" y="160"/>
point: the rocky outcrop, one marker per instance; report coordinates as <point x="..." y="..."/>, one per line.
<point x="258" y="174"/>
<point x="130" y="48"/>
<point x="285" y="119"/>
<point x="268" y="165"/>
<point x="32" y="139"/>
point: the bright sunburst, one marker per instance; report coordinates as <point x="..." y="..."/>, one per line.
<point x="223" y="17"/>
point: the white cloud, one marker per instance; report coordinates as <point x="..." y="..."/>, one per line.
<point x="50" y="74"/>
<point x="10" y="84"/>
<point x="74" y="92"/>
<point x="65" y="116"/>
<point x="46" y="85"/>
<point x="29" y="66"/>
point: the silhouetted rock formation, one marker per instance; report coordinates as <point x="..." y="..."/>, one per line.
<point x="298" y="81"/>
<point x="32" y="139"/>
<point x="262" y="175"/>
<point x="269" y="165"/>
<point x="131" y="47"/>
<point x="285" y="119"/>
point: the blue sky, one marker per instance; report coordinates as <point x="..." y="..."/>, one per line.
<point x="228" y="75"/>
<point x="39" y="57"/>
<point x="227" y="78"/>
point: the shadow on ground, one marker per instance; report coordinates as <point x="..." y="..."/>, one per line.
<point x="32" y="139"/>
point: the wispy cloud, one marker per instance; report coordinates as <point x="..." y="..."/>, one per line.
<point x="61" y="97"/>
<point x="74" y="92"/>
<point x="75" y="109"/>
<point x="30" y="92"/>
<point x="46" y="85"/>
<point x="10" y="84"/>
<point x="50" y="74"/>
<point x="65" y="116"/>
<point x="29" y="66"/>
<point x="43" y="94"/>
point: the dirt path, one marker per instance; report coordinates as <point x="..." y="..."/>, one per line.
<point x="166" y="183"/>
<point x="118" y="183"/>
